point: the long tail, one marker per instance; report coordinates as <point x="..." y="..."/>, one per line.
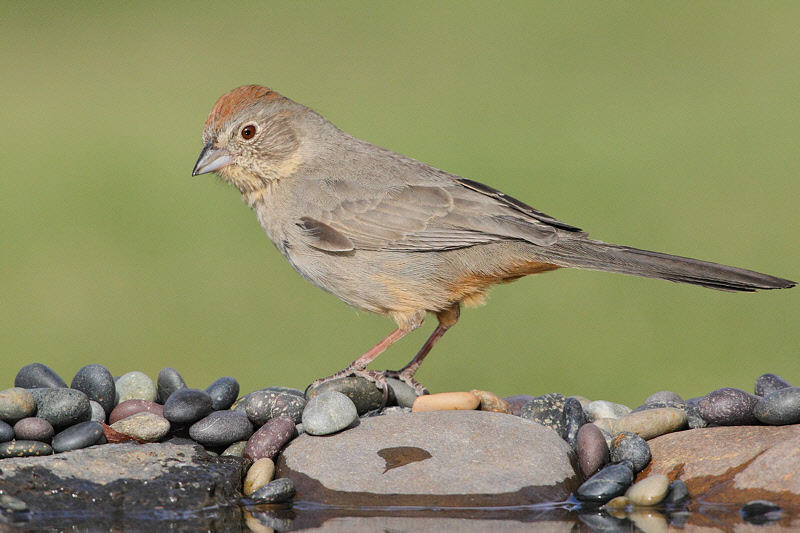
<point x="596" y="255"/>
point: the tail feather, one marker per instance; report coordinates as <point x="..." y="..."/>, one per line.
<point x="596" y="255"/>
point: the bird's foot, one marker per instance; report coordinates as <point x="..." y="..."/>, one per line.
<point x="408" y="379"/>
<point x="373" y="376"/>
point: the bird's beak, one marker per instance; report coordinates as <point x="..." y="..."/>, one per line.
<point x="211" y="159"/>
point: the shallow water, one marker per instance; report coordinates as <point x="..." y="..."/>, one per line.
<point x="304" y="516"/>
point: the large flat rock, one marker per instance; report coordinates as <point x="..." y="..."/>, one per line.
<point x="732" y="464"/>
<point x="444" y="458"/>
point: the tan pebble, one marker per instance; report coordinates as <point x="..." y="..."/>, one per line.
<point x="446" y="401"/>
<point x="605" y="424"/>
<point x="649" y="491"/>
<point x="620" y="502"/>
<point x="260" y="474"/>
<point x="582" y="400"/>
<point x="649" y="521"/>
<point x="651" y="423"/>
<point x="491" y="402"/>
<point x="144" y="426"/>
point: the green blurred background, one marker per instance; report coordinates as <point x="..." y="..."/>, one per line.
<point x="672" y="127"/>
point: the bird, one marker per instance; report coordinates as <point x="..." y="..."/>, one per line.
<point x="391" y="235"/>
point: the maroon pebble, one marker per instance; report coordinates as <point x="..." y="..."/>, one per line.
<point x="729" y="407"/>
<point x="593" y="451"/>
<point x="132" y="407"/>
<point x="270" y="438"/>
<point x="517" y="401"/>
<point x="34" y="428"/>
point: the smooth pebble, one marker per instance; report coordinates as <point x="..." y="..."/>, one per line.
<point x="604" y="409"/>
<point x="38" y="376"/>
<point x="651" y="423"/>
<point x="608" y="483"/>
<point x="593" y="453"/>
<point x="77" y="437"/>
<point x="649" y="491"/>
<point x="574" y="419"/>
<point x="491" y="402"/>
<point x="445" y="401"/>
<point x="678" y="491"/>
<point x="147" y="427"/>
<point x="729" y="407"/>
<point x="6" y="431"/>
<point x="260" y="473"/>
<point x="135" y="386"/>
<point x="404" y="393"/>
<point x="264" y="405"/>
<point x="517" y="401"/>
<point x="223" y="392"/>
<point x="328" y="413"/>
<point x="235" y="450"/>
<point x="365" y="394"/>
<point x="168" y="381"/>
<point x="270" y="438"/>
<point x="278" y="491"/>
<point x="98" y="413"/>
<point x="97" y="383"/>
<point x="62" y="407"/>
<point x="187" y="406"/>
<point x="16" y="404"/>
<point x="664" y="396"/>
<point x="780" y="407"/>
<point x="627" y="446"/>
<point x="769" y="383"/>
<point x="221" y="428"/>
<point x="24" y="448"/>
<point x="34" y="428"/>
<point x="132" y="407"/>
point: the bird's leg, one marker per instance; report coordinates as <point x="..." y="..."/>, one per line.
<point x="447" y="319"/>
<point x="358" y="367"/>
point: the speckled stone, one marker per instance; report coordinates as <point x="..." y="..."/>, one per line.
<point x="97" y="383"/>
<point x="38" y="376"/>
<point x="593" y="453"/>
<point x="24" y="448"/>
<point x="780" y="407"/>
<point x="604" y="409"/>
<point x="62" y="407"/>
<point x="630" y="447"/>
<point x="169" y="380"/>
<point x="135" y="386"/>
<point x="574" y="419"/>
<point x="78" y="436"/>
<point x="144" y="426"/>
<point x="132" y="407"/>
<point x="241" y="403"/>
<point x="264" y="405"/>
<point x="270" y="438"/>
<point x="16" y="404"/>
<point x="404" y="393"/>
<point x="221" y="428"/>
<point x="446" y="401"/>
<point x="364" y="394"/>
<point x="328" y="413"/>
<point x="491" y="402"/>
<point x="651" y="423"/>
<point x="278" y="491"/>
<point x="608" y="483"/>
<point x="6" y="432"/>
<point x="729" y="407"/>
<point x="223" y="392"/>
<point x="261" y="472"/>
<point x="187" y="406"/>
<point x="547" y="410"/>
<point x="769" y="383"/>
<point x="34" y="428"/>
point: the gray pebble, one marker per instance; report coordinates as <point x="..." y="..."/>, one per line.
<point x="693" y="418"/>
<point x="328" y="413"/>
<point x="98" y="413"/>
<point x="574" y="419"/>
<point x="34" y="428"/>
<point x="187" y="406"/>
<point x="62" y="407"/>
<point x="593" y="453"/>
<point x="403" y="392"/>
<point x="608" y="483"/>
<point x="144" y="426"/>
<point x="77" y="437"/>
<point x="38" y="376"/>
<point x="365" y="394"/>
<point x="547" y="410"/>
<point x="277" y="491"/>
<point x="169" y="380"/>
<point x="678" y="491"/>
<point x="769" y="383"/>
<point x="604" y="409"/>
<point x="223" y="393"/>
<point x="780" y="407"/>
<point x="729" y="407"/>
<point x="241" y="403"/>
<point x="221" y="428"/>
<point x="97" y="383"/>
<point x="135" y="386"/>
<point x="235" y="450"/>
<point x="16" y="404"/>
<point x="264" y="405"/>
<point x="24" y="448"/>
<point x="6" y="432"/>
<point x="630" y="447"/>
<point x="664" y="396"/>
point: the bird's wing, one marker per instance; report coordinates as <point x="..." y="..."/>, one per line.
<point x="413" y="217"/>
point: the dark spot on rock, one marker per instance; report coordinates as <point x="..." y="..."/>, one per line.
<point x="402" y="455"/>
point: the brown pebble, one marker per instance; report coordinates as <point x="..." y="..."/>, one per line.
<point x="593" y="453"/>
<point x="270" y="438"/>
<point x="260" y="473"/>
<point x="517" y="401"/>
<point x="34" y="428"/>
<point x="132" y="407"/>
<point x="491" y="402"/>
<point x="446" y="401"/>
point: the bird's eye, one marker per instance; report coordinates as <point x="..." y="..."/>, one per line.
<point x="248" y="132"/>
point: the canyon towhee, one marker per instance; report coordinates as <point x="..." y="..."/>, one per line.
<point x="394" y="236"/>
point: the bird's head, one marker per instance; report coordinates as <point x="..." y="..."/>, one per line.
<point x="249" y="138"/>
